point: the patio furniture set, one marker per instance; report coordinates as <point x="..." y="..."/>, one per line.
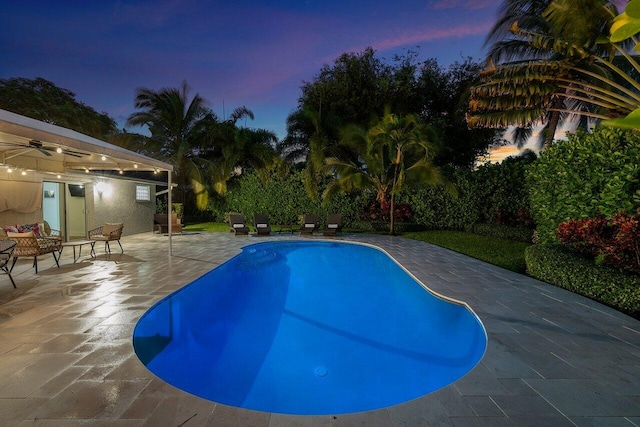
<point x="34" y="240"/>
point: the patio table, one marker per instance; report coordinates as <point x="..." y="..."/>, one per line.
<point x="79" y="244"/>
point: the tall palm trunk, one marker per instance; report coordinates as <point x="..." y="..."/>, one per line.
<point x="554" y="120"/>
<point x="393" y="192"/>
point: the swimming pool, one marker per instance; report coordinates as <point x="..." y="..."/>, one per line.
<point x="308" y="328"/>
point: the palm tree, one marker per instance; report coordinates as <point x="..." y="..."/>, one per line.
<point x="174" y="123"/>
<point x="250" y="148"/>
<point x="393" y="152"/>
<point x="544" y="71"/>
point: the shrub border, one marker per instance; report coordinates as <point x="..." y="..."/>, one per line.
<point x="609" y="286"/>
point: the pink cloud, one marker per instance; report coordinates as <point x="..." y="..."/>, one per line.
<point x="428" y="35"/>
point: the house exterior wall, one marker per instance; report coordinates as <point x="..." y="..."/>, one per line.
<point x="107" y="200"/>
<point x="115" y="201"/>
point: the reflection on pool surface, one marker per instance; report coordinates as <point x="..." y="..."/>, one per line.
<point x="308" y="328"/>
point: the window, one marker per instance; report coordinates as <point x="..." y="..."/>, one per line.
<point x="143" y="193"/>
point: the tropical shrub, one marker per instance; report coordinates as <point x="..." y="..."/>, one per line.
<point x="284" y="199"/>
<point x="382" y="212"/>
<point x="500" y="192"/>
<point x="589" y="174"/>
<point x="612" y="241"/>
<point x="557" y="266"/>
<point x="493" y="194"/>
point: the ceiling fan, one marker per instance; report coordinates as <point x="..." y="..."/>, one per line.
<point x="44" y="149"/>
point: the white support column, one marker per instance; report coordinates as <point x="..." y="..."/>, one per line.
<point x="169" y="203"/>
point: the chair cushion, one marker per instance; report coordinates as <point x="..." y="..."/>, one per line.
<point x="309" y="225"/>
<point x="11" y="229"/>
<point x="261" y="225"/>
<point x="28" y="234"/>
<point x="25" y="228"/>
<point x="332" y="226"/>
<point x="238" y="225"/>
<point x="109" y="228"/>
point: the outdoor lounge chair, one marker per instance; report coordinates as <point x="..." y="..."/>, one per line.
<point x="310" y="224"/>
<point x="6" y="250"/>
<point x="238" y="224"/>
<point x="261" y="224"/>
<point x="333" y="226"/>
<point x="109" y="232"/>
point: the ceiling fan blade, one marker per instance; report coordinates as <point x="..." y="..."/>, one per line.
<point x="74" y="153"/>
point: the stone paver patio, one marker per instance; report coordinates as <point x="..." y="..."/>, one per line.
<point x="553" y="358"/>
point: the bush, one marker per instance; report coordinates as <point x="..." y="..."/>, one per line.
<point x="567" y="270"/>
<point x="500" y="193"/>
<point x="284" y="198"/>
<point x="494" y="193"/>
<point x="588" y="174"/>
<point x="520" y="234"/>
<point x="612" y="241"/>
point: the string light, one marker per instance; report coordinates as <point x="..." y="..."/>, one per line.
<point x="104" y="158"/>
<point x="135" y="166"/>
<point x="23" y="173"/>
<point x="59" y="150"/>
<point x="9" y="170"/>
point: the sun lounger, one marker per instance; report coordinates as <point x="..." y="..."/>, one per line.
<point x="333" y="226"/>
<point x="238" y="224"/>
<point x="310" y="224"/>
<point x="261" y="224"/>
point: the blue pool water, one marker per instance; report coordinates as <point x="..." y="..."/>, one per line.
<point x="308" y="328"/>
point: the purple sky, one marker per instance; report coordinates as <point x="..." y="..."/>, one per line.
<point x="254" y="54"/>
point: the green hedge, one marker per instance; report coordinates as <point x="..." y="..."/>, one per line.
<point x="568" y="270"/>
<point x="284" y="200"/>
<point x="588" y="174"/>
<point x="492" y="193"/>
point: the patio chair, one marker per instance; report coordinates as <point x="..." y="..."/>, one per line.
<point x="261" y="224"/>
<point x="238" y="224"/>
<point x="106" y="233"/>
<point x="333" y="226"/>
<point x="6" y="250"/>
<point x="309" y="224"/>
<point x="28" y="245"/>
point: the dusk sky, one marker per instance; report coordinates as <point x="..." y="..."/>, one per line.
<point x="254" y="54"/>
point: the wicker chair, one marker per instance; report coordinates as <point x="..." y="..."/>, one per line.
<point x="109" y="232"/>
<point x="28" y="245"/>
<point x="6" y="250"/>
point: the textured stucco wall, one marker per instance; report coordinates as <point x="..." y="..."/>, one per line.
<point x="115" y="201"/>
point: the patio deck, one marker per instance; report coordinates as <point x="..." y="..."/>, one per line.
<point x="553" y="358"/>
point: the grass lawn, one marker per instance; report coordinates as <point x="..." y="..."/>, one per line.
<point x="207" y="226"/>
<point x="507" y="254"/>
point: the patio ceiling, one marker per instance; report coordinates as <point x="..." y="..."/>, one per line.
<point x="30" y="144"/>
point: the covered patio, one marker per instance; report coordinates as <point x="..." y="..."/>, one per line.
<point x="34" y="151"/>
<point x="553" y="358"/>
